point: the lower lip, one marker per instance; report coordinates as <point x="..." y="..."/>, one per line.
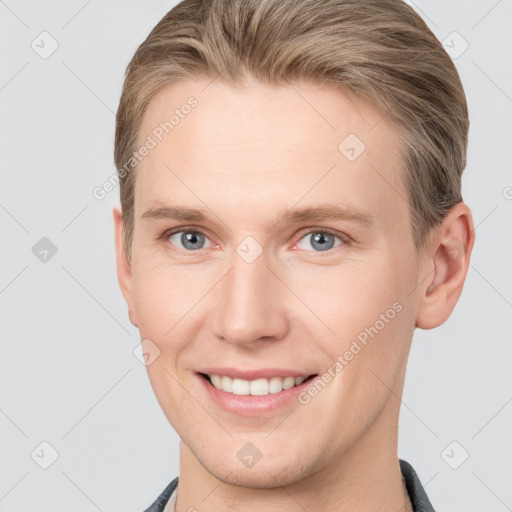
<point x="250" y="405"/>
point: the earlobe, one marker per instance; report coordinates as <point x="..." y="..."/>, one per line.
<point x="450" y="251"/>
<point x="124" y="271"/>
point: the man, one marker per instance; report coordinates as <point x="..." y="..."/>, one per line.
<point x="291" y="212"/>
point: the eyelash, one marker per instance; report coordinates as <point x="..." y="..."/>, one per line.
<point x="345" y="239"/>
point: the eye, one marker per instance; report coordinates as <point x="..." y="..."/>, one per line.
<point x="190" y="240"/>
<point x="320" y="240"/>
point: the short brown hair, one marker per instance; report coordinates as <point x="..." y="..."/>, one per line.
<point x="379" y="51"/>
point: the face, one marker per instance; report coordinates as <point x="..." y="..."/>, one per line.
<point x="298" y="261"/>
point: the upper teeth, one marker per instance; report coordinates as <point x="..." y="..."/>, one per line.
<point x="254" y="387"/>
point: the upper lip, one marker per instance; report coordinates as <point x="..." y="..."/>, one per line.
<point x="264" y="373"/>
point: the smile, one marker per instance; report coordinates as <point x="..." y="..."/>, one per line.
<point x="257" y="387"/>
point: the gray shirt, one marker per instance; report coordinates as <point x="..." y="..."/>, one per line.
<point x="418" y="496"/>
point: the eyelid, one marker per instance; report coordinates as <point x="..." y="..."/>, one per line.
<point x="193" y="229"/>
<point x="345" y="239"/>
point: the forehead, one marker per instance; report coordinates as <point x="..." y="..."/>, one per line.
<point x="300" y="142"/>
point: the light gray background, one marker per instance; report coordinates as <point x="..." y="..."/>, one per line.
<point x="69" y="376"/>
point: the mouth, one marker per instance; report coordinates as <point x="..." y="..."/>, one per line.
<point x="256" y="387"/>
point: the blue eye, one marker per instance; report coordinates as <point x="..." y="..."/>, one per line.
<point x="190" y="240"/>
<point x="321" y="240"/>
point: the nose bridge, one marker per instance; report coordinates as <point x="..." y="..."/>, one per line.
<point x="249" y="306"/>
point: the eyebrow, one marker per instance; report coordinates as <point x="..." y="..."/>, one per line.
<point x="306" y="214"/>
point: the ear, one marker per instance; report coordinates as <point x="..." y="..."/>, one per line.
<point x="124" y="271"/>
<point x="448" y="261"/>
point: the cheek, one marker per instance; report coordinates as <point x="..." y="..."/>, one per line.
<point x="168" y="300"/>
<point x="163" y="290"/>
<point x="377" y="324"/>
<point x="366" y="308"/>
<point x="154" y="301"/>
<point x="350" y="297"/>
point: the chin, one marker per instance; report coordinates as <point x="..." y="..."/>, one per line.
<point x="263" y="475"/>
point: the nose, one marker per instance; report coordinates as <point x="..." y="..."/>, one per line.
<point x="250" y="304"/>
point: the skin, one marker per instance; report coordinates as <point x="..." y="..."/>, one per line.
<point x="249" y="155"/>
